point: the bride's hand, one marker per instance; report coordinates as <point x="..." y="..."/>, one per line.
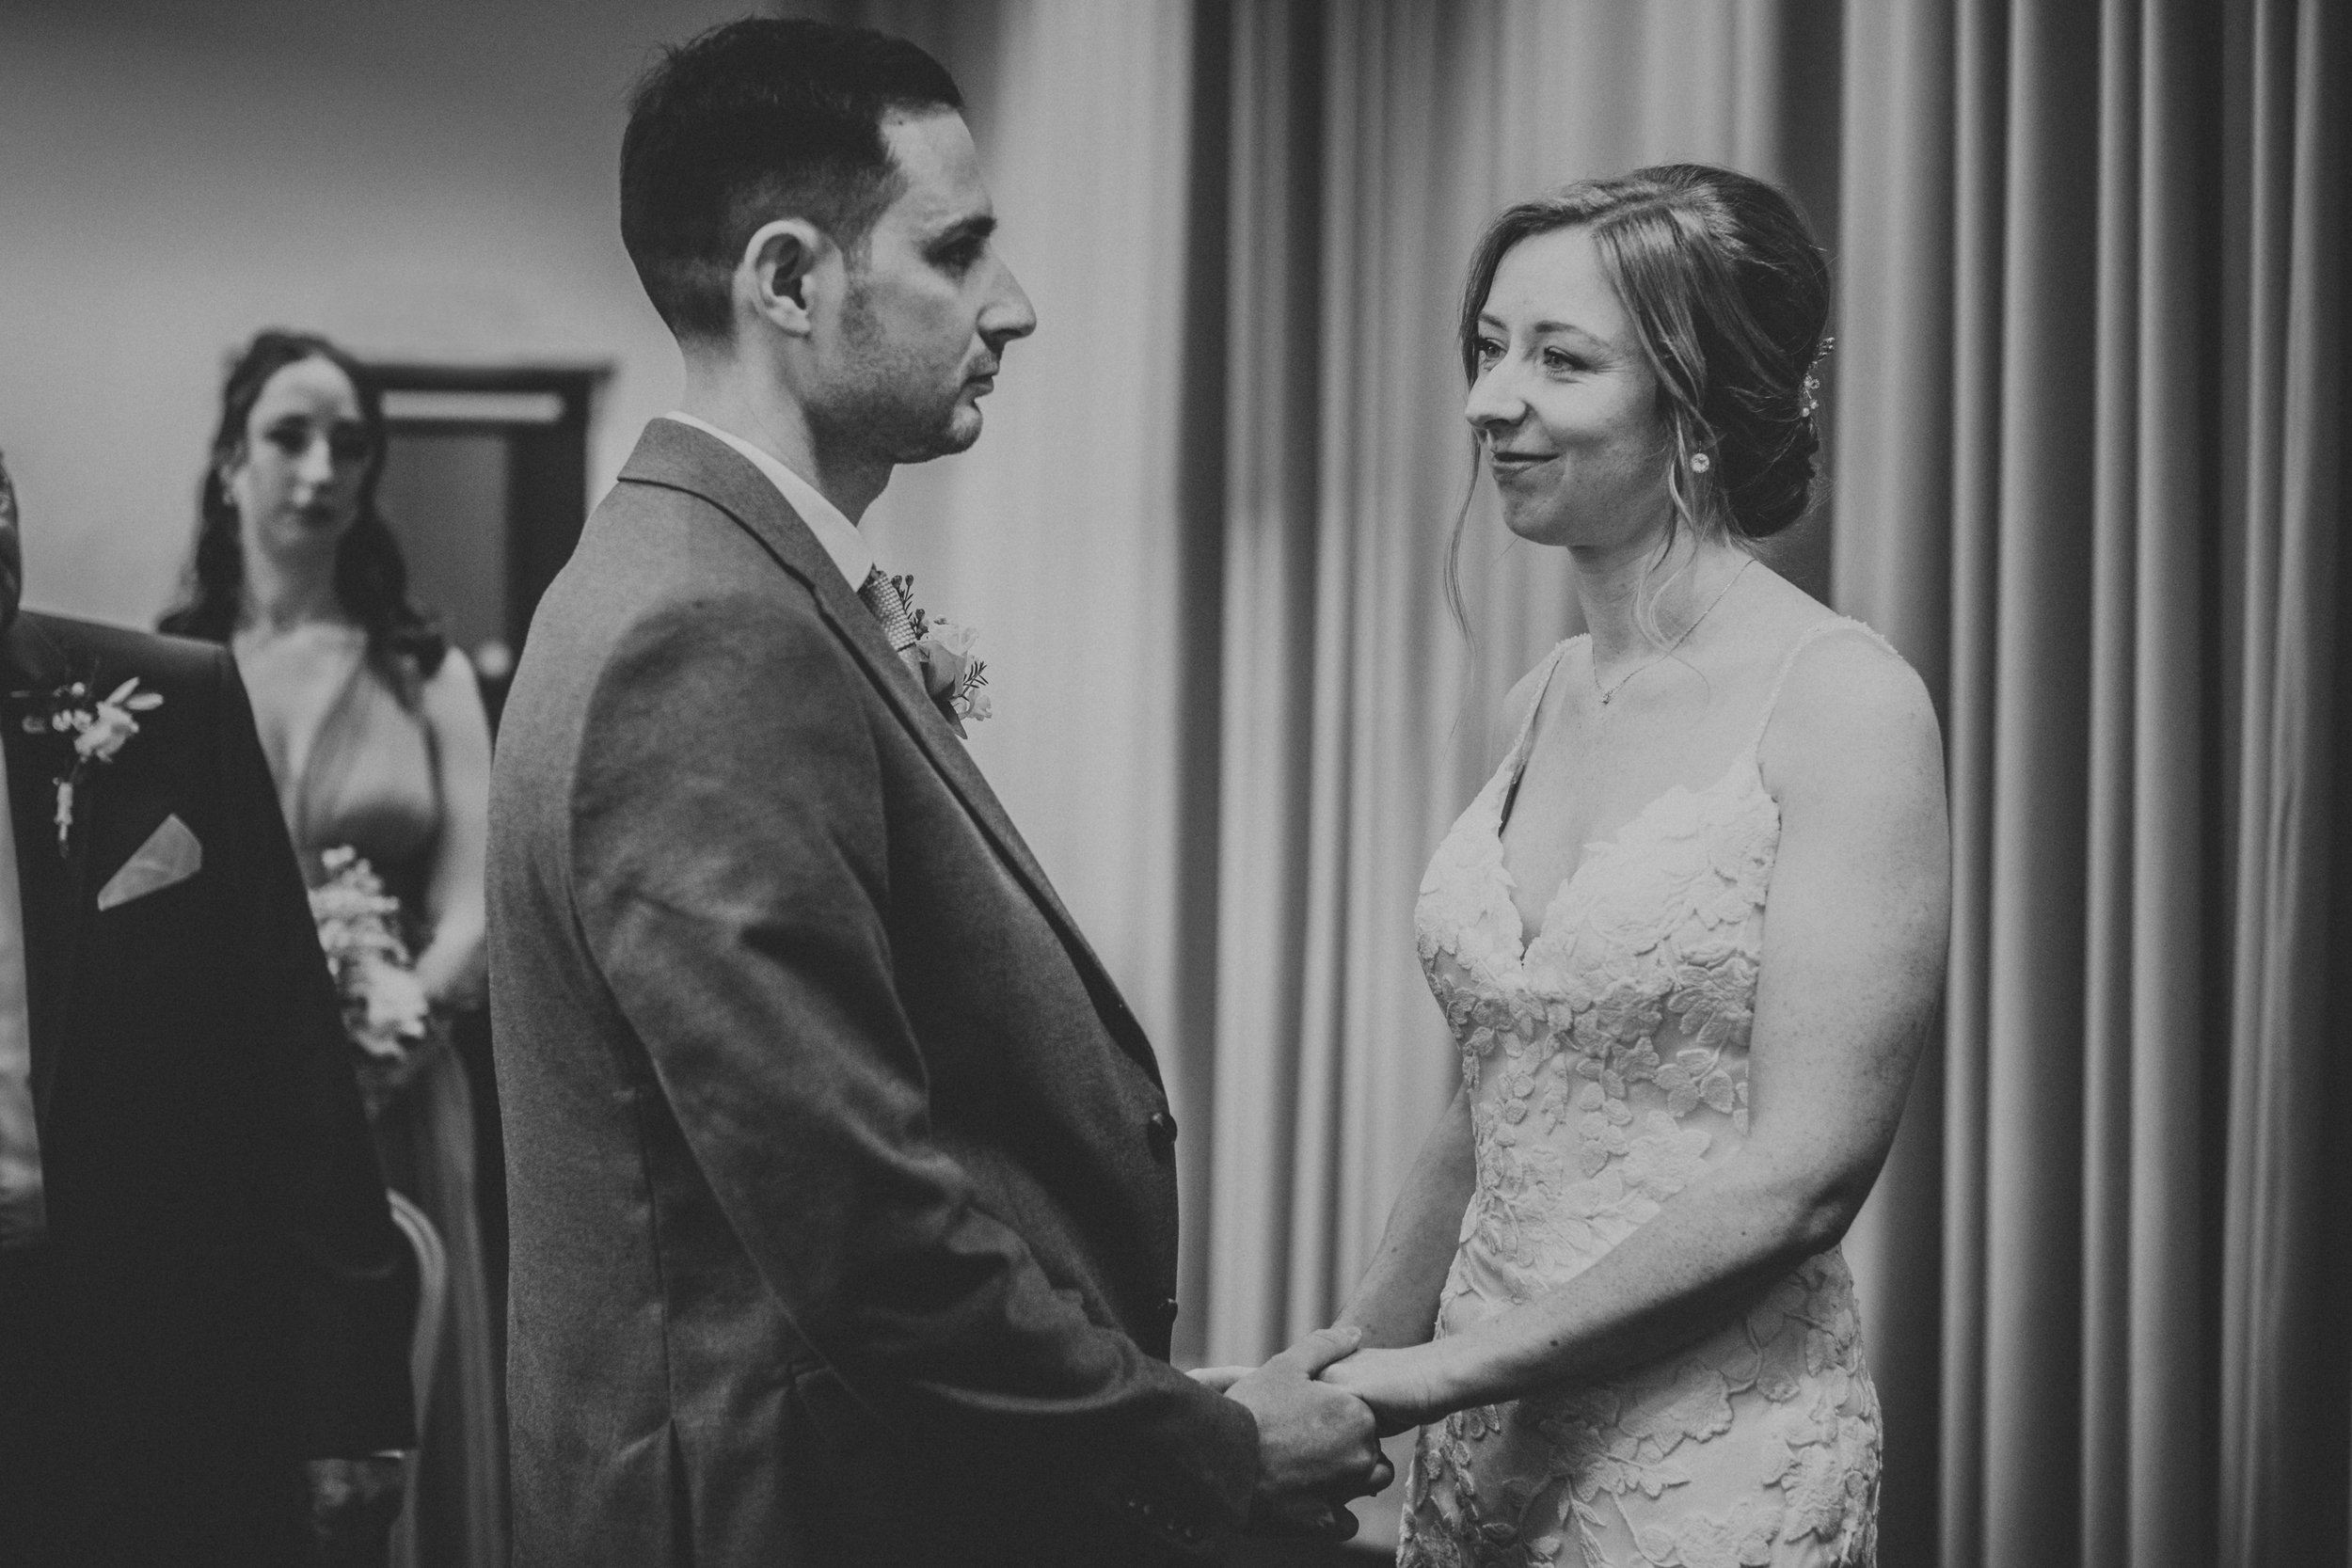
<point x="1220" y="1378"/>
<point x="1405" y="1388"/>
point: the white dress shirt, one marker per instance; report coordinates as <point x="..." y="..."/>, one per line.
<point x="23" y="1216"/>
<point x="839" y="535"/>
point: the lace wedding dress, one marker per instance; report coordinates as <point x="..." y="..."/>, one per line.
<point x="1607" y="1061"/>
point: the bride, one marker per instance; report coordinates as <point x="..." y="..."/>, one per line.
<point x="1689" y="938"/>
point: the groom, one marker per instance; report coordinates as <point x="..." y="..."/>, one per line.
<point x="842" y="1185"/>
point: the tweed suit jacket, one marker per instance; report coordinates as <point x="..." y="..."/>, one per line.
<point x="843" y="1204"/>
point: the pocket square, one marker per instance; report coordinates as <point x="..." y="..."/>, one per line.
<point x="171" y="854"/>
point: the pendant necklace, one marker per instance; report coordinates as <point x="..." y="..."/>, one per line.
<point x="1610" y="690"/>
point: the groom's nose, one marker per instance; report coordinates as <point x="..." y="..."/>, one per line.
<point x="1008" y="314"/>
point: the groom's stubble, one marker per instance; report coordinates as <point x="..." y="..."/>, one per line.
<point x="891" y="403"/>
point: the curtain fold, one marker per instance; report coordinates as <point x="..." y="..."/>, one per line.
<point x="2132" y="456"/>
<point x="1896" y="335"/>
<point x="2286" y="1293"/>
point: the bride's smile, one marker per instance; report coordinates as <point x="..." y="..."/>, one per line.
<point x="1567" y="413"/>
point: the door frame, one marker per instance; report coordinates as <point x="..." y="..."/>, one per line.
<point x="546" y="474"/>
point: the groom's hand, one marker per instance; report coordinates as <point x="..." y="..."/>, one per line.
<point x="1316" y="1445"/>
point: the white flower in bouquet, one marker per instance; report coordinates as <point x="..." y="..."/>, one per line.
<point x="396" y="1007"/>
<point x="385" y="1011"/>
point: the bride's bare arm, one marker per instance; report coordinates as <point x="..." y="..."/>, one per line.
<point x="1396" y="1302"/>
<point x="1852" y="969"/>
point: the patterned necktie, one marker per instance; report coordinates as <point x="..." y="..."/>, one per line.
<point x="882" y="597"/>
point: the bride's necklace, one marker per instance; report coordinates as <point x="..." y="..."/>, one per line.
<point x="1614" y="687"/>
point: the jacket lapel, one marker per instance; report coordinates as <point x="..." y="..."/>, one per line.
<point x="680" y="457"/>
<point x="49" y="884"/>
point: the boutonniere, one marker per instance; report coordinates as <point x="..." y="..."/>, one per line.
<point x="943" y="661"/>
<point x="100" y="729"/>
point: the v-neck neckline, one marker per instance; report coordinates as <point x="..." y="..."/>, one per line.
<point x="1515" y="772"/>
<point x="1599" y="849"/>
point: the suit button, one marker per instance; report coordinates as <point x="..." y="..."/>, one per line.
<point x="1160" y="1132"/>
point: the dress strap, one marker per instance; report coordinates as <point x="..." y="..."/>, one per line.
<point x="1810" y="635"/>
<point x="1535" y="699"/>
<point x="1515" y="765"/>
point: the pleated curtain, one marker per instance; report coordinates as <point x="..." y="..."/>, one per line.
<point x="2089" y="480"/>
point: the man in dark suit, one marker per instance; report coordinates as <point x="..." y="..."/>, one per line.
<point x="204" y="1316"/>
<point x="841" y="1176"/>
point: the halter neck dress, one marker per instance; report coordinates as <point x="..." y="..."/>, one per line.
<point x="370" y="779"/>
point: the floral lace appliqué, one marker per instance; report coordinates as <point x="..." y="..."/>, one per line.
<point x="1607" y="1061"/>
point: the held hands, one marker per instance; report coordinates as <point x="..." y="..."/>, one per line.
<point x="1404" y="1388"/>
<point x="1316" y="1445"/>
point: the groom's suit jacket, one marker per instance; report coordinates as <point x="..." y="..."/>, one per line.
<point x="220" y="1293"/>
<point x="843" y="1200"/>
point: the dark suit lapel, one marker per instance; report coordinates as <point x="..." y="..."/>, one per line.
<point x="49" y="886"/>
<point x="683" y="458"/>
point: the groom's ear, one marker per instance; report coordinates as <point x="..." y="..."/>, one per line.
<point x="777" y="262"/>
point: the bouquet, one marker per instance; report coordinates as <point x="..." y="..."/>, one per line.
<point x="385" y="1012"/>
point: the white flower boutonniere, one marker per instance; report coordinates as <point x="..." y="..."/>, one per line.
<point x="955" y="680"/>
<point x="946" y="666"/>
<point x="100" y="729"/>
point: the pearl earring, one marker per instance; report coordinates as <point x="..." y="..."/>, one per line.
<point x="1700" y="461"/>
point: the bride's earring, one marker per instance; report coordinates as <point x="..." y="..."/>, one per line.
<point x="1700" y="461"/>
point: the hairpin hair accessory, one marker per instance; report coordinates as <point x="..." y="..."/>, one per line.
<point x="1809" y="397"/>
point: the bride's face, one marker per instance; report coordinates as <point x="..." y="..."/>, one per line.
<point x="1565" y="404"/>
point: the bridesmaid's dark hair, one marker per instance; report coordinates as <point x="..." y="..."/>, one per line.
<point x="1730" y="295"/>
<point x="371" y="578"/>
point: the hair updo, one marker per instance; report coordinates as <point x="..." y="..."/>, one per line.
<point x="1729" y="295"/>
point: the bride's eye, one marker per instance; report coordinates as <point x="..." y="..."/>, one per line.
<point x="1488" y="350"/>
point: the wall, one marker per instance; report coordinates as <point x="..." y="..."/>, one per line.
<point x="435" y="179"/>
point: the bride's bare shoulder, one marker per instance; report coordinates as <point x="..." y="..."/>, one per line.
<point x="1847" y="700"/>
<point x="1809" y="646"/>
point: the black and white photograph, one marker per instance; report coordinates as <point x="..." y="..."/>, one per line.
<point x="1175" y="784"/>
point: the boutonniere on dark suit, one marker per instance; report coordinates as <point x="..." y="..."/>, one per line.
<point x="96" y="729"/>
<point x="937" y="650"/>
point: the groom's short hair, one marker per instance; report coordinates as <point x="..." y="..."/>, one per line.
<point x="752" y="121"/>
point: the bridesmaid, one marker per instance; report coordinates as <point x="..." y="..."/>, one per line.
<point x="375" y="733"/>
